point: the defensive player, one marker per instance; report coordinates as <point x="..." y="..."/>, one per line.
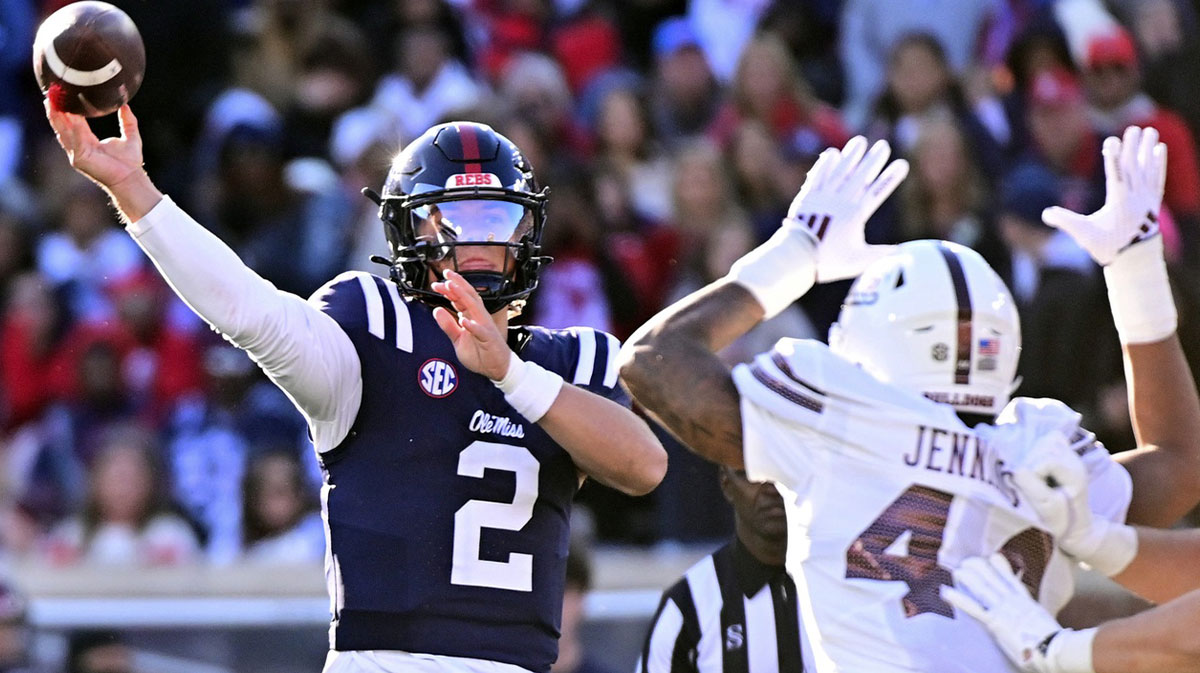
<point x="452" y="445"/>
<point x="879" y="441"/>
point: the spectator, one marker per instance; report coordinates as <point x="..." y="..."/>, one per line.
<point x="724" y="29"/>
<point x="759" y="172"/>
<point x="17" y="19"/>
<point x="536" y="88"/>
<point x="920" y="84"/>
<point x="211" y="436"/>
<point x="1168" y="35"/>
<point x="1060" y="299"/>
<point x="281" y="521"/>
<point x="1113" y="85"/>
<point x="427" y="84"/>
<point x="625" y="143"/>
<point x="736" y="609"/>
<point x="126" y="519"/>
<point x="586" y="44"/>
<point x="768" y="87"/>
<point x="336" y="74"/>
<point x="946" y="197"/>
<point x="871" y="29"/>
<point x="1062" y="139"/>
<point x="684" y="94"/>
<point x="34" y="365"/>
<point x="86" y="252"/>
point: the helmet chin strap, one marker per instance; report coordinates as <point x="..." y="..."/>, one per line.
<point x="489" y="285"/>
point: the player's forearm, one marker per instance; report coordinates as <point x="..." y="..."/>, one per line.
<point x="1166" y="415"/>
<point x="1165" y="566"/>
<point x="607" y="441"/>
<point x="671" y="368"/>
<point x="1161" y="640"/>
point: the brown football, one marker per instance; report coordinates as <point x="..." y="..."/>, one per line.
<point x="89" y="58"/>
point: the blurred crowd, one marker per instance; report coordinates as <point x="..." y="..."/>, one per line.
<point x="673" y="136"/>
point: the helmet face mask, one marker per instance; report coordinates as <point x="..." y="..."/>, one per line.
<point x="934" y="319"/>
<point x="462" y="184"/>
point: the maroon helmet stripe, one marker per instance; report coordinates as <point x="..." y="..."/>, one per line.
<point x="962" y="359"/>
<point x="470" y="148"/>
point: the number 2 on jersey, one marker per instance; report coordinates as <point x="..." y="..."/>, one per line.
<point x="918" y="517"/>
<point x="516" y="573"/>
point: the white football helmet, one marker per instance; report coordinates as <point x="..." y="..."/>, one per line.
<point x="932" y="317"/>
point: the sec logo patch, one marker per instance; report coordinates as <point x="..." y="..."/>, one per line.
<point x="437" y="378"/>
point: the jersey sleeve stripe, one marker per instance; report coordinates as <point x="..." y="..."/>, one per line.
<point x="610" y="367"/>
<point x="404" y="334"/>
<point x="784" y="390"/>
<point x="586" y="337"/>
<point x="781" y="362"/>
<point x="374" y="305"/>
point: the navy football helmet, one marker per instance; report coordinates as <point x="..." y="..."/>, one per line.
<point x="462" y="183"/>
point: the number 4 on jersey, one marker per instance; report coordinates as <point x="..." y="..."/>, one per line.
<point x="918" y="517"/>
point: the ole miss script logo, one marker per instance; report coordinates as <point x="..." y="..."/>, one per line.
<point x="437" y="378"/>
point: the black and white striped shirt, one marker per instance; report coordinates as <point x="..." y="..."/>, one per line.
<point x="730" y="613"/>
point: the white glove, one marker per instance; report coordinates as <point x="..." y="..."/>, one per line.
<point x="1055" y="481"/>
<point x="1123" y="236"/>
<point x="1135" y="172"/>
<point x="1026" y="633"/>
<point x="842" y="191"/>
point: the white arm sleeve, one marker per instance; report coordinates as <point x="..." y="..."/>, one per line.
<point x="300" y="348"/>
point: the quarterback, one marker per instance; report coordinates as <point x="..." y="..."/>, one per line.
<point x="451" y="444"/>
<point x="893" y="446"/>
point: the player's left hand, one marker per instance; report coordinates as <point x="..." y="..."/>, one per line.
<point x="479" y="344"/>
<point x="990" y="592"/>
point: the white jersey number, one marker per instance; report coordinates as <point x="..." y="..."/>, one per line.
<point x="918" y="518"/>
<point x="516" y="573"/>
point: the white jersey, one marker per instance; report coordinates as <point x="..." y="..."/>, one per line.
<point x="886" y="492"/>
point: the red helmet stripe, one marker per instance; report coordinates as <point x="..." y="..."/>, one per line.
<point x="470" y="147"/>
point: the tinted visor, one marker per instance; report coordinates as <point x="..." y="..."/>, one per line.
<point x="471" y="221"/>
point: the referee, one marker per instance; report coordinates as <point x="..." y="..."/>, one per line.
<point x="735" y="611"/>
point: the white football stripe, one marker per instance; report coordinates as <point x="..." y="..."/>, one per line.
<point x="587" y="355"/>
<point x="79" y="77"/>
<point x="374" y="305"/>
<point x="610" y="370"/>
<point x="404" y="335"/>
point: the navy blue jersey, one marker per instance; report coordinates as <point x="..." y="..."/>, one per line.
<point x="448" y="511"/>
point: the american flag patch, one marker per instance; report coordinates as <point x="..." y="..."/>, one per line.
<point x="989" y="346"/>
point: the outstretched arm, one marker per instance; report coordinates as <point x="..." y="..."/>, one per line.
<point x="670" y="364"/>
<point x="301" y="348"/>
<point x="1123" y="237"/>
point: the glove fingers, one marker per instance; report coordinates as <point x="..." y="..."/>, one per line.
<point x="1111" y="151"/>
<point x="980" y="579"/>
<point x="852" y="154"/>
<point x="964" y="602"/>
<point x="1129" y="149"/>
<point x="1160" y="169"/>
<point x="868" y="169"/>
<point x="1067" y="220"/>
<point x="1004" y="571"/>
<point x="884" y="185"/>
<point x="1145" y="158"/>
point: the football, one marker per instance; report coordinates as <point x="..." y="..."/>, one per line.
<point x="89" y="58"/>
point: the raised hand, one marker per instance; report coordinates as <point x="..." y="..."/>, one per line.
<point x="108" y="162"/>
<point x="843" y="189"/>
<point x="479" y="344"/>
<point x="1135" y="173"/>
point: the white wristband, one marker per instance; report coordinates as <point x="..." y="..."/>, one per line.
<point x="779" y="271"/>
<point x="1143" y="307"/>
<point x="1071" y="651"/>
<point x="530" y="388"/>
<point x="1116" y="546"/>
